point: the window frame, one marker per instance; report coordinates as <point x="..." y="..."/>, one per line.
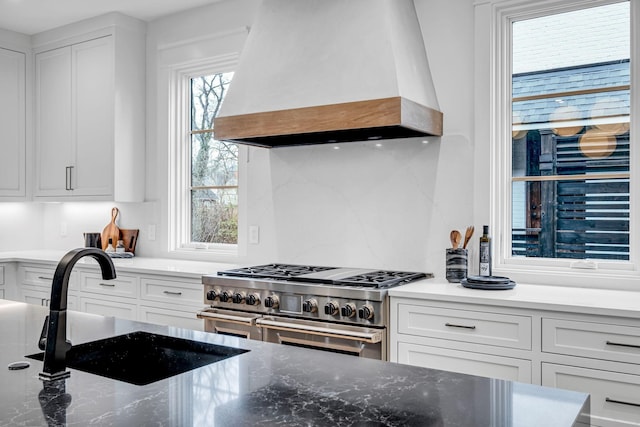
<point x="549" y="270"/>
<point x="180" y="164"/>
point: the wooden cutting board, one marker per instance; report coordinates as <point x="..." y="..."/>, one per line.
<point x="111" y="231"/>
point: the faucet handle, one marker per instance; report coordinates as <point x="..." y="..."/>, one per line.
<point x="42" y="342"/>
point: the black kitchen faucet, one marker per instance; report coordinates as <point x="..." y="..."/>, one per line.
<point x="53" y="339"/>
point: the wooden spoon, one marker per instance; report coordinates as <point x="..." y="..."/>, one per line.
<point x="467" y="236"/>
<point x="455" y="237"/>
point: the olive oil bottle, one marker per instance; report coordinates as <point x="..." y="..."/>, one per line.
<point x="485" y="252"/>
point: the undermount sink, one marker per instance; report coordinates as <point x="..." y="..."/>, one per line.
<point x="142" y="358"/>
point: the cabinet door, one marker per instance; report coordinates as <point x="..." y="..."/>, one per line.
<point x="109" y="307"/>
<point x="40" y="297"/>
<point x="465" y="362"/>
<point x="92" y="117"/>
<point x="53" y="122"/>
<point x="615" y="397"/>
<point x="179" y="319"/>
<point x="12" y="124"/>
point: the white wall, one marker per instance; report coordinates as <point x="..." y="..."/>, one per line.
<point x="361" y="205"/>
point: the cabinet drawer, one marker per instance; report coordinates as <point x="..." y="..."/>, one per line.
<point x="463" y="325"/>
<point x="172" y="292"/>
<point x="180" y="319"/>
<point x="43" y="277"/>
<point x="465" y="362"/>
<point x="103" y="307"/>
<point x="615" y="397"/>
<point x="43" y="298"/>
<point x="124" y="286"/>
<point x="593" y="340"/>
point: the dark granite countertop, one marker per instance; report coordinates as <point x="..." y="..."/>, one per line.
<point x="269" y="385"/>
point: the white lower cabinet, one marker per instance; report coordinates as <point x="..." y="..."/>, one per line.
<point x="109" y="307"/>
<point x="615" y="397"/>
<point x="468" y="340"/>
<point x="595" y="354"/>
<point x="465" y="362"/>
<point x="43" y="297"/>
<point x="171" y="301"/>
<point x="164" y="300"/>
<point x="35" y="285"/>
<point x="122" y="286"/>
<point x="161" y="316"/>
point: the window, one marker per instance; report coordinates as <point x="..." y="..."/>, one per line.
<point x="570" y="152"/>
<point x="205" y="196"/>
<point x="214" y="166"/>
<point x="564" y="156"/>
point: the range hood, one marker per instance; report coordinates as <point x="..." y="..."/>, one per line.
<point x="326" y="71"/>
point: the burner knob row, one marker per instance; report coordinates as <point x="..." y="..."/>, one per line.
<point x="348" y="310"/>
<point x="235" y="297"/>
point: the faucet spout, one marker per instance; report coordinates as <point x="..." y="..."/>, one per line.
<point x="55" y="342"/>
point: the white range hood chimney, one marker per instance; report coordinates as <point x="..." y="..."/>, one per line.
<point x="324" y="71"/>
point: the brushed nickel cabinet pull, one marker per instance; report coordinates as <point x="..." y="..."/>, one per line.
<point x="452" y="325"/>
<point x="45" y="278"/>
<point x="621" y="402"/>
<point x="172" y="293"/>
<point x="107" y="284"/>
<point x="620" y="344"/>
<point x="68" y="171"/>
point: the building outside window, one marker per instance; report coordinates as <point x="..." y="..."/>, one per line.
<point x="570" y="152"/>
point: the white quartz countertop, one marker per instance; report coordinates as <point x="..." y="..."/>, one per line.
<point x="164" y="266"/>
<point x="539" y="297"/>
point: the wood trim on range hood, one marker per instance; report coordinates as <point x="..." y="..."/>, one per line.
<point x="385" y="118"/>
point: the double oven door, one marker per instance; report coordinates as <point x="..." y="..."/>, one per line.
<point x="358" y="341"/>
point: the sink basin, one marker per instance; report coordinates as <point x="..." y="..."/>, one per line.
<point x="142" y="358"/>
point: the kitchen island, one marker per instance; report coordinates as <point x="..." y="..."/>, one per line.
<point x="268" y="385"/>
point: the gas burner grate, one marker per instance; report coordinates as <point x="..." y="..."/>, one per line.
<point x="274" y="271"/>
<point x="381" y="279"/>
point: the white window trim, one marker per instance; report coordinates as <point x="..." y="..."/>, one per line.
<point x="179" y="169"/>
<point x="494" y="18"/>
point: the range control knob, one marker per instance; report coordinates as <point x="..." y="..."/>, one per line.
<point x="310" y="306"/>
<point x="226" y="296"/>
<point x="272" y="301"/>
<point x="253" y="299"/>
<point x="212" y="295"/>
<point x="238" y="298"/>
<point x="365" y="312"/>
<point x="348" y="310"/>
<point x="331" y="308"/>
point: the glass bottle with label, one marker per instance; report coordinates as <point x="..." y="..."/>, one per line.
<point x="485" y="252"/>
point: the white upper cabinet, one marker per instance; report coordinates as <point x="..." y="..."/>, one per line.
<point x="53" y="118"/>
<point x="12" y="125"/>
<point x="89" y="117"/>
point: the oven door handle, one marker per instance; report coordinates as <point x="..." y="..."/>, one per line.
<point x="369" y="337"/>
<point x="206" y="314"/>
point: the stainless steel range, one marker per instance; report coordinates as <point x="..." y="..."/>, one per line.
<point x="343" y="310"/>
